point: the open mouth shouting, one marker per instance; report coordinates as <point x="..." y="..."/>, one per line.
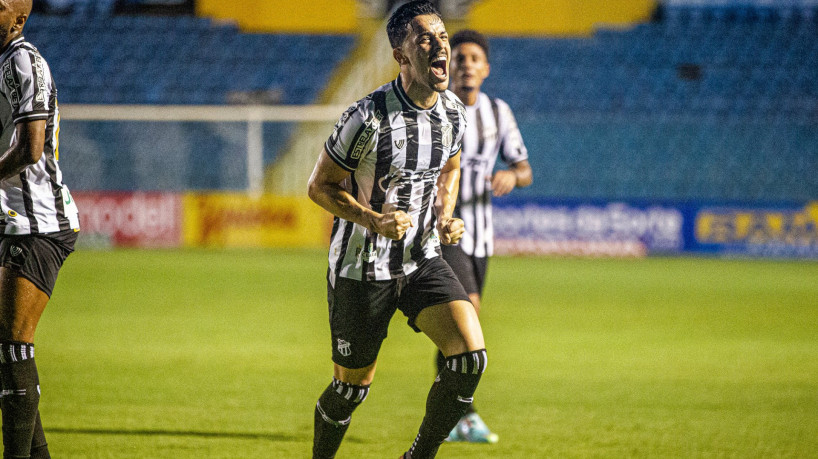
<point x="440" y="67"/>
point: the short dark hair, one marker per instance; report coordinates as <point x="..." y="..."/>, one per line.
<point x="470" y="36"/>
<point x="396" y="27"/>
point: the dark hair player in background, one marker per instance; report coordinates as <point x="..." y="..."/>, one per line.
<point x="492" y="131"/>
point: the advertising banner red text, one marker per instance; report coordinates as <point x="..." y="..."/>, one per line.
<point x="126" y="219"/>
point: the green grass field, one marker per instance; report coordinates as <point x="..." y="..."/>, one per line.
<point x="222" y="354"/>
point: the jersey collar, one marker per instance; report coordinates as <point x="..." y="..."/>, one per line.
<point x="12" y="44"/>
<point x="397" y="86"/>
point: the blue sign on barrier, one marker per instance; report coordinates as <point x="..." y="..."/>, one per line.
<point x="776" y="231"/>
<point x="628" y="229"/>
<point x="589" y="229"/>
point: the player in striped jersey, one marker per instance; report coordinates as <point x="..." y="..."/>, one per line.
<point x="389" y="173"/>
<point x="492" y="132"/>
<point x="38" y="227"/>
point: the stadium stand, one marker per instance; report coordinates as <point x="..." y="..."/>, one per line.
<point x="98" y="58"/>
<point x="765" y="62"/>
<point x="180" y="60"/>
<point x="715" y="103"/>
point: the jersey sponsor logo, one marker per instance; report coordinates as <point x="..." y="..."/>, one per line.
<point x="345" y="116"/>
<point x="489" y="134"/>
<point x="401" y="177"/>
<point x="476" y="163"/>
<point x="344" y="348"/>
<point x="379" y="115"/>
<point x="39" y="70"/>
<point x="446" y="135"/>
<point x="451" y="105"/>
<point x="370" y="254"/>
<point x="11" y="84"/>
<point x="363" y="139"/>
<point x="340" y="124"/>
<point x="434" y="240"/>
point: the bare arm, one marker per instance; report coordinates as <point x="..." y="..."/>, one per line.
<point x="27" y="149"/>
<point x="448" y="184"/>
<point x="517" y="175"/>
<point x="325" y="190"/>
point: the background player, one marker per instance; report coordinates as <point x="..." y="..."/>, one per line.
<point x="492" y="131"/>
<point x="389" y="173"/>
<point x="38" y="229"/>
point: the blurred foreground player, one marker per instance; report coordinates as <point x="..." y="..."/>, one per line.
<point x="389" y="173"/>
<point x="38" y="228"/>
<point x="492" y="131"/>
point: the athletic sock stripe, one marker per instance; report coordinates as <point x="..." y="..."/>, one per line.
<point x="474" y="362"/>
<point x="351" y="392"/>
<point x="11" y="351"/>
<point x="329" y="420"/>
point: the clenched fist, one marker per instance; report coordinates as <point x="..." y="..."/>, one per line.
<point x="450" y="230"/>
<point x="394" y="224"/>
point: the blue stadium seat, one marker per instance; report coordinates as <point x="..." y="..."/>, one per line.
<point x="757" y="78"/>
<point x="621" y="114"/>
<point x="163" y="50"/>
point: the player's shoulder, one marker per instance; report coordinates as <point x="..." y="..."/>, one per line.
<point x="453" y="104"/>
<point x="364" y="110"/>
<point x="19" y="49"/>
<point x="20" y="57"/>
<point x="451" y="101"/>
<point x="496" y="101"/>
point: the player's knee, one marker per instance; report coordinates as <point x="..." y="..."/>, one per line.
<point x="472" y="362"/>
<point x="339" y="400"/>
<point x="352" y="394"/>
<point x="464" y="370"/>
<point x="475" y="301"/>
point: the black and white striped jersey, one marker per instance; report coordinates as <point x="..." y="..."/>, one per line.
<point x="35" y="201"/>
<point x="492" y="131"/>
<point x="395" y="152"/>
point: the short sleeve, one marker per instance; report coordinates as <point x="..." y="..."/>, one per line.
<point x="354" y="135"/>
<point x="512" y="149"/>
<point x="25" y="85"/>
<point x="457" y="114"/>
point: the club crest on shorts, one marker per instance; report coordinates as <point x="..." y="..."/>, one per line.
<point x="15" y="251"/>
<point x="446" y="135"/>
<point x="344" y="348"/>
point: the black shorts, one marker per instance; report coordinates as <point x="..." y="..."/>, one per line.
<point x="470" y="270"/>
<point x="37" y="257"/>
<point x="360" y="311"/>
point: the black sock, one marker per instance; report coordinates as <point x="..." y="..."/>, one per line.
<point x="21" y="396"/>
<point x="440" y="361"/>
<point x="333" y="413"/>
<point x="39" y="447"/>
<point x="448" y="401"/>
